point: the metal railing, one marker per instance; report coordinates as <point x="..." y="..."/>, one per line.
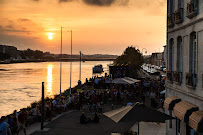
<point x="170" y="76"/>
<point x="170" y="20"/>
<point x="192" y="9"/>
<point x="177" y="77"/>
<point x="179" y="16"/>
<point x="191" y="79"/>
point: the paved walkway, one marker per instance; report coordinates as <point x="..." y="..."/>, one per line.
<point x="150" y="128"/>
<point x="68" y="123"/>
<point x="37" y="126"/>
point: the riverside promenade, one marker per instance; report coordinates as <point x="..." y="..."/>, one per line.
<point x="68" y="123"/>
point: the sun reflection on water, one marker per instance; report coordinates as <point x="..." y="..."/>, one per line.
<point x="49" y="80"/>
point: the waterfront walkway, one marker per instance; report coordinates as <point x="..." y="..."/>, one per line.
<point x="150" y="128"/>
<point x="69" y="123"/>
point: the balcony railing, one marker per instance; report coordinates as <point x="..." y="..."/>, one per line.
<point x="170" y="20"/>
<point x="179" y="16"/>
<point x="170" y="76"/>
<point x="192" y="9"/>
<point x="178" y="77"/>
<point x="191" y="79"/>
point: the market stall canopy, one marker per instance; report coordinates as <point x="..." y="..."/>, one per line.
<point x="117" y="114"/>
<point x="125" y="80"/>
<point x="137" y="113"/>
<point x="196" y="121"/>
<point x="122" y="81"/>
<point x="132" y="79"/>
<point x="163" y="92"/>
<point x="183" y="110"/>
<point x="170" y="102"/>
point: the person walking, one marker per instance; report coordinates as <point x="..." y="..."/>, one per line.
<point x="152" y="97"/>
<point x="4" y="127"/>
<point x="22" y="117"/>
<point x="15" y="123"/>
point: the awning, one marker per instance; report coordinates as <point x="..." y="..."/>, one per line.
<point x="170" y="102"/>
<point x="137" y="113"/>
<point x="117" y="114"/>
<point x="163" y="92"/>
<point x="122" y="81"/>
<point x="131" y="79"/>
<point x="196" y="121"/>
<point x="183" y="110"/>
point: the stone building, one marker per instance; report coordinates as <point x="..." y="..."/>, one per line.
<point x="11" y="50"/>
<point x="155" y="59"/>
<point x="165" y="55"/>
<point x="184" y="86"/>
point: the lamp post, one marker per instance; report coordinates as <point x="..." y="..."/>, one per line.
<point x="71" y="61"/>
<point x="61" y="61"/>
<point x="80" y="66"/>
<point x="79" y="81"/>
<point x="137" y="47"/>
<point x="145" y="51"/>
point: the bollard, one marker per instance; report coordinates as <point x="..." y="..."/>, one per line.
<point x="42" y="114"/>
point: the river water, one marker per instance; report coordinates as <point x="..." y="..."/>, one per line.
<point x="21" y="82"/>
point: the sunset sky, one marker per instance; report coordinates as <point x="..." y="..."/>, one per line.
<point x="99" y="26"/>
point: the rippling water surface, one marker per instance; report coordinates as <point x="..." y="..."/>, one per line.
<point x="21" y="83"/>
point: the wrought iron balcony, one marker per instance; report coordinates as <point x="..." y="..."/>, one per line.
<point x="170" y="20"/>
<point x="179" y="16"/>
<point x="178" y="77"/>
<point x="192" y="9"/>
<point x="170" y="76"/>
<point x="191" y="79"/>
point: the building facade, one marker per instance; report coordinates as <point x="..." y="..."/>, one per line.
<point x="184" y="86"/>
<point x="155" y="59"/>
<point x="11" y="50"/>
<point x="165" y="55"/>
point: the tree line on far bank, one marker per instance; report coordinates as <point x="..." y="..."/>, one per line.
<point x="24" y="54"/>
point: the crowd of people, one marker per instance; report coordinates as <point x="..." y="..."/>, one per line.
<point x="152" y="88"/>
<point x="12" y="123"/>
<point x="93" y="99"/>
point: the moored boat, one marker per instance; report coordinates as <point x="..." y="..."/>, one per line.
<point x="98" y="69"/>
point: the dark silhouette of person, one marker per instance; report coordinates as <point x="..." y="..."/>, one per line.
<point x="83" y="119"/>
<point x="96" y="118"/>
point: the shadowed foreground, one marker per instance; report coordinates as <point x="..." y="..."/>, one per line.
<point x="70" y="124"/>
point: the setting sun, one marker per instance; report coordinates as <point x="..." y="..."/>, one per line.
<point x="50" y="36"/>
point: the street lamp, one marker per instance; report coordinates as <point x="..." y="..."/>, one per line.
<point x="71" y="61"/>
<point x="145" y="51"/>
<point x="61" y="61"/>
<point x="137" y="47"/>
<point x="80" y="66"/>
<point x="79" y="81"/>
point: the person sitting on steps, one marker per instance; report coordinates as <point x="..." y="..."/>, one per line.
<point x="83" y="119"/>
<point x="96" y="118"/>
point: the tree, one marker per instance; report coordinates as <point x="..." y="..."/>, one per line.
<point x="132" y="58"/>
<point x="38" y="54"/>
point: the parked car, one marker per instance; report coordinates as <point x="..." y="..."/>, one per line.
<point x="163" y="76"/>
<point x="154" y="71"/>
<point x="162" y="67"/>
